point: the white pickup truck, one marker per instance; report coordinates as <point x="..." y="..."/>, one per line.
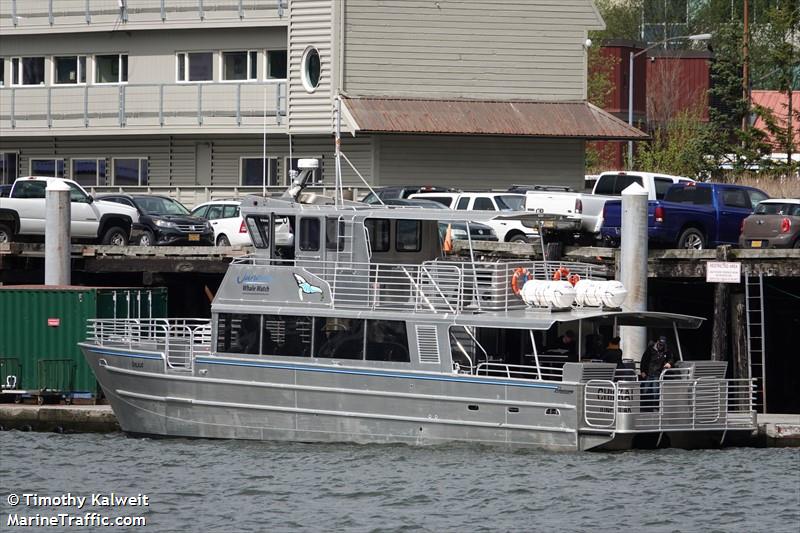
<point x="22" y="214"/>
<point x="589" y="207"/>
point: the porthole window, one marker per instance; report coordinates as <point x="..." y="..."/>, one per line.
<point x="311" y="69"/>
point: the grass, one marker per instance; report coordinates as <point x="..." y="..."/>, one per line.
<point x="775" y="186"/>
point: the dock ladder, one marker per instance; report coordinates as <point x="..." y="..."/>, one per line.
<point x="756" y="349"/>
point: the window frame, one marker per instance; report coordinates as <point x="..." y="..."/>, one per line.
<point x="269" y="171"/>
<point x="80" y="70"/>
<point x="301" y="234"/>
<point x="397" y="234"/>
<point x="55" y="159"/>
<point x="119" y="67"/>
<point x="114" y="171"/>
<point x="267" y="77"/>
<point x="376" y="222"/>
<point x="186" y="66"/>
<point x="19" y="72"/>
<point x="304" y="67"/>
<point x="2" y="71"/>
<point x="73" y="160"/>
<point x="3" y="170"/>
<point x="248" y="68"/>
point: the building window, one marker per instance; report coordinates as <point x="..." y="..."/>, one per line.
<point x="195" y="66"/>
<point x="89" y="172"/>
<point x="69" y="70"/>
<point x="309" y="234"/>
<point x="53" y="168"/>
<point x="251" y="171"/>
<point x="311" y="69"/>
<point x="239" y="66"/>
<point x="111" y="68"/>
<point x="131" y="171"/>
<point x="2" y="72"/>
<point x="9" y="167"/>
<point x="27" y="71"/>
<point x="316" y="177"/>
<point x="408" y="236"/>
<point x="276" y="64"/>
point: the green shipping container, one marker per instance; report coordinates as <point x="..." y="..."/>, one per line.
<point x="41" y="323"/>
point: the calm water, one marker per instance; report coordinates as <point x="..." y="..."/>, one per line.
<point x="245" y="486"/>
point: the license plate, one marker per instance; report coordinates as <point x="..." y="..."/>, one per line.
<point x="194" y="236"/>
<point x="755" y="244"/>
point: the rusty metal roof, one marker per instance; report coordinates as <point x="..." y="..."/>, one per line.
<point x="580" y="120"/>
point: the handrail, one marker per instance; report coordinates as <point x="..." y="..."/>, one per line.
<point x="597" y="411"/>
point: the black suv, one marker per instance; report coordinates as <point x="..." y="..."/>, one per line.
<point x="399" y="192"/>
<point x="164" y="221"/>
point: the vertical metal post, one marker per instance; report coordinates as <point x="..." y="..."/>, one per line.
<point x="161" y="105"/>
<point x="163" y="11"/>
<point x="278" y="109"/>
<point x="633" y="266"/>
<point x="13" y="107"/>
<point x="57" y="234"/>
<point x="88" y="13"/>
<point x="121" y="105"/>
<point x="200" y="9"/>
<point x="124" y="10"/>
<point x="50" y="11"/>
<point x="200" y="103"/>
<point x="86" y="103"/>
<point x="241" y="10"/>
<point x="14" y="12"/>
<point x="49" y="107"/>
<point x="238" y="104"/>
<point x="630" y="108"/>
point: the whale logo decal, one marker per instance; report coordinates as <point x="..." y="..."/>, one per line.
<point x="305" y="287"/>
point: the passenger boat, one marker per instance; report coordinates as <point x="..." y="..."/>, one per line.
<point x="362" y="329"/>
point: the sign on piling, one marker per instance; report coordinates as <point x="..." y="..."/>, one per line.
<point x="723" y="272"/>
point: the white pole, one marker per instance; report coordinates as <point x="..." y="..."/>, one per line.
<point x="633" y="266"/>
<point x="338" y="180"/>
<point x="57" y="234"/>
<point x="630" y="108"/>
<point x="264" y="149"/>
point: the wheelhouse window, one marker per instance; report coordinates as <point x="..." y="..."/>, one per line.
<point x="334" y="234"/>
<point x="276" y="64"/>
<point x="289" y="336"/>
<point x="317" y="175"/>
<point x="259" y="230"/>
<point x="378" y="231"/>
<point x="339" y="338"/>
<point x="309" y="234"/>
<point x="239" y="66"/>
<point x="387" y="340"/>
<point x="88" y="171"/>
<point x="251" y="171"/>
<point x="111" y="68"/>
<point x="408" y="237"/>
<point x="69" y="70"/>
<point x="53" y="168"/>
<point x="9" y="167"/>
<point x="130" y="171"/>
<point x="195" y="66"/>
<point x="239" y="333"/>
<point x="27" y="71"/>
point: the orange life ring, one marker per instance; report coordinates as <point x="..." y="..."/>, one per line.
<point x="561" y="273"/>
<point x="574" y="279"/>
<point x="521" y="275"/>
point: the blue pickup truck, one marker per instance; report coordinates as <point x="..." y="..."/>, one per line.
<point x="691" y="215"/>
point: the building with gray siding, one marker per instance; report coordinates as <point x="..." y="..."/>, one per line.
<point x="188" y="96"/>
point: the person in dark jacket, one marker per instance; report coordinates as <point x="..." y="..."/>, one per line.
<point x="655" y="360"/>
<point x="612" y="353"/>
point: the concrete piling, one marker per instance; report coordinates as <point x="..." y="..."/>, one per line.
<point x="633" y="266"/>
<point x="57" y="268"/>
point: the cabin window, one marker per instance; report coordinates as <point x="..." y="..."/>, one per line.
<point x="309" y="234"/>
<point x="289" y="336"/>
<point x="238" y="333"/>
<point x="387" y="340"/>
<point x="259" y="230"/>
<point x="339" y="338"/>
<point x="334" y="234"/>
<point x="378" y="230"/>
<point x="408" y="236"/>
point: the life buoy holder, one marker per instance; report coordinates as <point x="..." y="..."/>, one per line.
<point x="561" y="273"/>
<point x="521" y="275"/>
<point x="573" y="279"/>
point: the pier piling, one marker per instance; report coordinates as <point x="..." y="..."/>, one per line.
<point x="633" y="266"/>
<point x="57" y="260"/>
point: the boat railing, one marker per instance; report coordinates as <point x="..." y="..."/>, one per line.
<point x="438" y="286"/>
<point x="178" y="340"/>
<point x="545" y="373"/>
<point x="680" y="403"/>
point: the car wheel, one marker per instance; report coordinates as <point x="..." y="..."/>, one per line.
<point x="115" y="236"/>
<point x="222" y="240"/>
<point x="518" y="238"/>
<point x="147" y="238"/>
<point x="6" y="235"/>
<point x="692" y="239"/>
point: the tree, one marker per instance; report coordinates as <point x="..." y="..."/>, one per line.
<point x="623" y="19"/>
<point x="677" y="147"/>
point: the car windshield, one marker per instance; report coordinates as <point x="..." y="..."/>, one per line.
<point x="513" y="203"/>
<point x="160" y="206"/>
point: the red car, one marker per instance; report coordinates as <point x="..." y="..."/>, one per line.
<point x="774" y="224"/>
